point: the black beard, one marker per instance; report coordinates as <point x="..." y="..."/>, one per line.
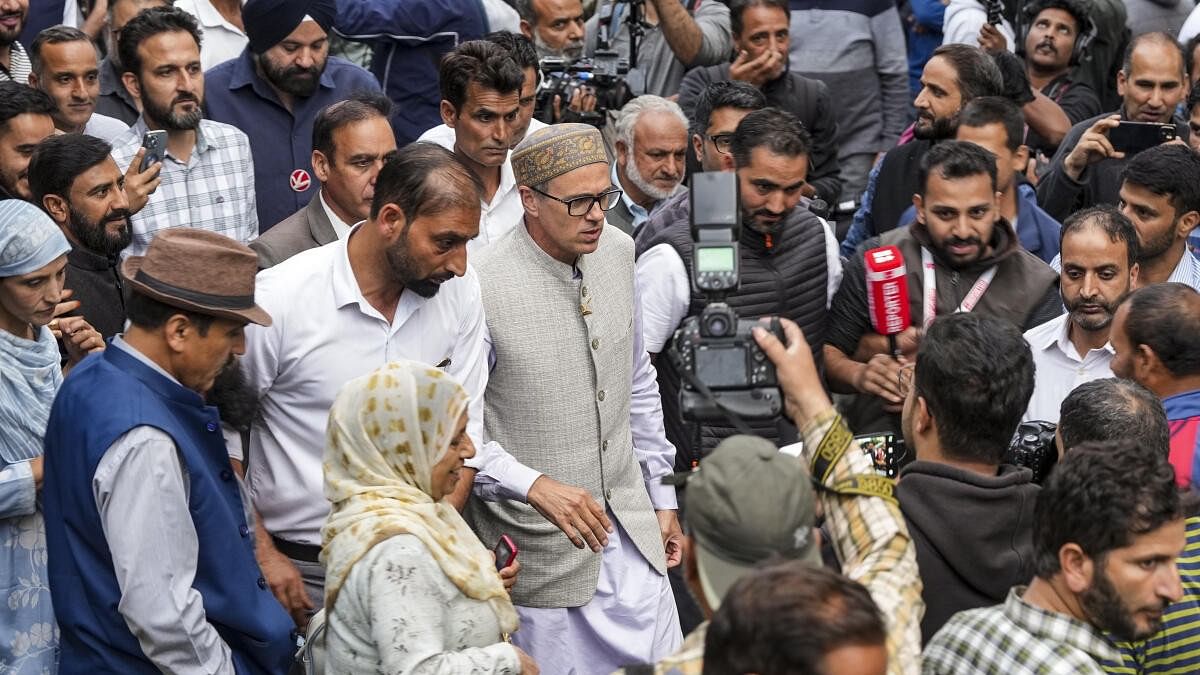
<point x="1153" y="248"/>
<point x="1079" y="320"/>
<point x="402" y="264"/>
<point x="294" y="80"/>
<point x="170" y="120"/>
<point x="1106" y="610"/>
<point x="95" y="237"/>
<point x="941" y="128"/>
<point x="233" y="396"/>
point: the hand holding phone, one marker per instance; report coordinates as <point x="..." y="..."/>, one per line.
<point x="155" y="143"/>
<point x="1134" y="137"/>
<point x="506" y="552"/>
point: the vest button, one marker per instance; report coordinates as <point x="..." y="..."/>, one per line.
<point x="600" y="396"/>
<point x="583" y="291"/>
<point x="226" y="475"/>
<point x="604" y="446"/>
<point x="212" y="426"/>
<point x="262" y="583"/>
<point x="608" y="495"/>
<point x="244" y="531"/>
<point x="595" y="343"/>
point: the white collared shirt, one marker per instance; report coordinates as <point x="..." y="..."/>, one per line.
<point x="222" y="40"/>
<point x="105" y="128"/>
<point x="340" y="227"/>
<point x="1060" y="368"/>
<point x="499" y="217"/>
<point x="324" y="334"/>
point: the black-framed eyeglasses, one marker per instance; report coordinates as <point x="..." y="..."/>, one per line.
<point x="579" y="206"/>
<point x="722" y="142"/>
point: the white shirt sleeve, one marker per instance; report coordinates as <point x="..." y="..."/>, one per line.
<point x="655" y="454"/>
<point x="664" y="288"/>
<point x="833" y="263"/>
<point x="141" y="492"/>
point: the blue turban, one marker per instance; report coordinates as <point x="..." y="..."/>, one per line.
<point x="268" y="22"/>
<point x="29" y="239"/>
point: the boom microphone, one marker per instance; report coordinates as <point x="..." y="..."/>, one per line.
<point x="887" y="293"/>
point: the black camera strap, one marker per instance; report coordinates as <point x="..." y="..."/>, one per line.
<point x="837" y="441"/>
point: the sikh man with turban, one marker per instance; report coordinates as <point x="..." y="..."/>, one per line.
<point x="577" y="407"/>
<point x="275" y="89"/>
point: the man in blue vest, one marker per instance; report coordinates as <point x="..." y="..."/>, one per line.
<point x="152" y="562"/>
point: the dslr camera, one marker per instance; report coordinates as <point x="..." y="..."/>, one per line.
<point x="722" y="368"/>
<point x="603" y="73"/>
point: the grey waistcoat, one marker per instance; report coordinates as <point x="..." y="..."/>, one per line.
<point x="558" y="401"/>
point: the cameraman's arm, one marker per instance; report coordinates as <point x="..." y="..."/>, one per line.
<point x="701" y="41"/>
<point x="868" y="532"/>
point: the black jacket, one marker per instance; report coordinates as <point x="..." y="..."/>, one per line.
<point x="973" y="534"/>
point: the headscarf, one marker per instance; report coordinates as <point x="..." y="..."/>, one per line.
<point x="32" y="373"/>
<point x="386" y="431"/>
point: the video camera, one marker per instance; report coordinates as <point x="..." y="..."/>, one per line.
<point x="725" y="375"/>
<point x="603" y="74"/>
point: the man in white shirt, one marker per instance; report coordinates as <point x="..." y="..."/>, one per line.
<point x="66" y="65"/>
<point x="398" y="287"/>
<point x="351" y="141"/>
<point x="1099" y="260"/>
<point x="221" y="23"/>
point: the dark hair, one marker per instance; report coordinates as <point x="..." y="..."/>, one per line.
<point x="425" y="178"/>
<point x="956" y="159"/>
<point x="1100" y="496"/>
<point x="1113" y="409"/>
<point x="1172" y="170"/>
<point x="145" y="312"/>
<point x="1194" y="94"/>
<point x="1189" y="49"/>
<point x="56" y="35"/>
<point x="784" y="618"/>
<point x="112" y="5"/>
<point x="728" y="94"/>
<point x="1158" y="38"/>
<point x="975" y="373"/>
<point x="1166" y="318"/>
<point x="485" y="63"/>
<point x="21" y="99"/>
<point x="58" y="161"/>
<point x="779" y="131"/>
<point x="1077" y="10"/>
<point x="519" y="47"/>
<point x="360" y="107"/>
<point x="985" y="110"/>
<point x="148" y="23"/>
<point x="1113" y="222"/>
<point x="738" y="7"/>
<point x="976" y="73"/>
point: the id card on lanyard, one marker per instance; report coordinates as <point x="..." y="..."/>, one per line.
<point x="929" y="276"/>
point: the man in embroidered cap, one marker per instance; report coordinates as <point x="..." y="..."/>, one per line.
<point x="275" y="89"/>
<point x="579" y="411"/>
<point x="151" y="555"/>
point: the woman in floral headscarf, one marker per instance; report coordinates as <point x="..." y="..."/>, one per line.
<point x="33" y="258"/>
<point x="408" y="585"/>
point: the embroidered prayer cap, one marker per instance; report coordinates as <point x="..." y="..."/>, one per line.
<point x="748" y="502"/>
<point x="268" y="22"/>
<point x="199" y="271"/>
<point x="554" y="150"/>
<point x="29" y="239"/>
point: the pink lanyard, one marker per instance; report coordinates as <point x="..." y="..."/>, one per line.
<point x="930" y="279"/>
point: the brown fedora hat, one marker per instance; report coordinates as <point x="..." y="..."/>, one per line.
<point x="199" y="271"/>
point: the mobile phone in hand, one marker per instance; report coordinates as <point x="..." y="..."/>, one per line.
<point x="1133" y="137"/>
<point x="155" y="143"/>
<point x="506" y="552"/>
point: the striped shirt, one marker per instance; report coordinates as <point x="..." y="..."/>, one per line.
<point x="213" y="190"/>
<point x="1175" y="649"/>
<point x="1017" y="638"/>
<point x="18" y="65"/>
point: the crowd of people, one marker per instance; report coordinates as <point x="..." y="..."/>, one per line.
<point x="344" y="337"/>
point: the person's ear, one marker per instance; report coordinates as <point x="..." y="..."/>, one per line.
<point x="446" y="110"/>
<point x="622" y="152"/>
<point x="321" y="166"/>
<point x="1187" y="223"/>
<point x="919" y="205"/>
<point x="1134" y="270"/>
<point x="1146" y="363"/>
<point x="177" y="332"/>
<point x="1021" y="159"/>
<point x="923" y="422"/>
<point x="529" y="200"/>
<point x="58" y="209"/>
<point x="1077" y="568"/>
<point x="33" y="80"/>
<point x="698" y="147"/>
<point x="526" y="29"/>
<point x="391" y="221"/>
<point x="132" y="85"/>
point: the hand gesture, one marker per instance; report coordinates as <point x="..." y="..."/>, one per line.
<point x="78" y="337"/>
<point x="757" y="70"/>
<point x="140" y="185"/>
<point x="803" y="393"/>
<point x="672" y="534"/>
<point x="573" y="511"/>
<point x="881" y="377"/>
<point x="1092" y="147"/>
<point x="509" y="574"/>
<point x="991" y="40"/>
<point x="286" y="584"/>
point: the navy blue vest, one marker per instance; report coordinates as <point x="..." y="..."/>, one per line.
<point x="106" y="396"/>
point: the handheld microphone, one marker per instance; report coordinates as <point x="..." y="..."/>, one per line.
<point x="887" y="293"/>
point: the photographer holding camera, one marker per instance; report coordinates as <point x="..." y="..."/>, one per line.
<point x="788" y="260"/>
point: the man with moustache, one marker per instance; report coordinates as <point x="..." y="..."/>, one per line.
<point x="1099" y="268"/>
<point x="788" y="262"/>
<point x="651" y="147"/>
<point x="555" y="26"/>
<point x="1160" y="194"/>
<point x="954" y="75"/>
<point x="76" y="181"/>
<point x="26" y="119"/>
<point x="1156" y="339"/>
<point x="273" y="92"/>
<point x="352" y="139"/>
<point x="974" y="262"/>
<point x="14" y="62"/>
<point x="1086" y="170"/>
<point x="66" y="66"/>
<point x="207" y="174"/>
<point x="115" y="100"/>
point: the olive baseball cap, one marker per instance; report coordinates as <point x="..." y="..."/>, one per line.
<point x="746" y="503"/>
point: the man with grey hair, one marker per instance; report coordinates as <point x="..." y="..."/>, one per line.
<point x="554" y="26"/>
<point x="651" y="147"/>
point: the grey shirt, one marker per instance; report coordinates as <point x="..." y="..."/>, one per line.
<point x="659" y="71"/>
<point x="141" y="488"/>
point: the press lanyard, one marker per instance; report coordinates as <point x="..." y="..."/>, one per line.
<point x="930" y="279"/>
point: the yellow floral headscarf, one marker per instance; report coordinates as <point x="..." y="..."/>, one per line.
<point x="386" y="432"/>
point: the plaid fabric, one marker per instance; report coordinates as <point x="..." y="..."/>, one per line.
<point x="1017" y="637"/>
<point x="873" y="544"/>
<point x="213" y="190"/>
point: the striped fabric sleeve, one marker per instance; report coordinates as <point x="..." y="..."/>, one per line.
<point x="873" y="544"/>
